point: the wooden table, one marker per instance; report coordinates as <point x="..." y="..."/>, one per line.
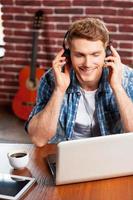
<point x="44" y="189"/>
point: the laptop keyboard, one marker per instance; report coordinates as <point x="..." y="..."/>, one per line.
<point x="51" y="159"/>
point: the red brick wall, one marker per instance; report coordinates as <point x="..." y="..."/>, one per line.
<point x="18" y="18"/>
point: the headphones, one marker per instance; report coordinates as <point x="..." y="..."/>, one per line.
<point x="67" y="50"/>
<point x="108" y="50"/>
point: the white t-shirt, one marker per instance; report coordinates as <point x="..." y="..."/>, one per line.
<point x="86" y="122"/>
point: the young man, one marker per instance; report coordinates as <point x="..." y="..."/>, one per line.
<point x="92" y="96"/>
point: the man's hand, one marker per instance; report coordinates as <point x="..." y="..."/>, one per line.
<point x="115" y="69"/>
<point x="62" y="78"/>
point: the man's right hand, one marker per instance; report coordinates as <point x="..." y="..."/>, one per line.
<point x="62" y="79"/>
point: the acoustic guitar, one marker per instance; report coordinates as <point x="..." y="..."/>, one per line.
<point x="29" y="78"/>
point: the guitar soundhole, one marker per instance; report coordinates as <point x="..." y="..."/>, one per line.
<point x="32" y="85"/>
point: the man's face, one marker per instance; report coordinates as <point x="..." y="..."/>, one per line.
<point x="87" y="59"/>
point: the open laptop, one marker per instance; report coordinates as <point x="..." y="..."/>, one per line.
<point x="92" y="158"/>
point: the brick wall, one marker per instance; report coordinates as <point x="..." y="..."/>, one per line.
<point x="18" y="16"/>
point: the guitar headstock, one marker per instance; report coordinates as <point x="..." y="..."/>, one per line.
<point x="38" y="19"/>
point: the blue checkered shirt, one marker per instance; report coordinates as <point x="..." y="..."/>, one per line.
<point x="107" y="111"/>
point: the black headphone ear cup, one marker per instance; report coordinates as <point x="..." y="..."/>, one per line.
<point x="66" y="53"/>
<point x="66" y="50"/>
<point x="108" y="52"/>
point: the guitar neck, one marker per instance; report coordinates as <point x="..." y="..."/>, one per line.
<point x="34" y="56"/>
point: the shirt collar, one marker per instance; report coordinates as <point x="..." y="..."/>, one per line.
<point x="104" y="86"/>
<point x="74" y="84"/>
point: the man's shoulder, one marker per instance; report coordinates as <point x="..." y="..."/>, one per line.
<point x="127" y="78"/>
<point x="48" y="77"/>
<point x="127" y="71"/>
<point x="48" y="74"/>
<point x="47" y="82"/>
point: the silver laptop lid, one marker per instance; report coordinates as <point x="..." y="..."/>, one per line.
<point x="94" y="158"/>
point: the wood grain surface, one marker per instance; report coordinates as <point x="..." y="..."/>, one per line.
<point x="44" y="189"/>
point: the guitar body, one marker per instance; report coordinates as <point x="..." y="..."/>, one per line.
<point x="25" y="98"/>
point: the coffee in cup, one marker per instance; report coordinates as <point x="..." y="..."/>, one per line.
<point x="18" y="159"/>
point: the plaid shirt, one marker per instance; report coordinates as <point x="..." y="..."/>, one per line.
<point x="107" y="112"/>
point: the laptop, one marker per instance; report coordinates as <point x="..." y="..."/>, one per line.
<point x="92" y="159"/>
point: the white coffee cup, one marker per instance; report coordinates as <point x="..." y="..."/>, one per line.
<point x="18" y="159"/>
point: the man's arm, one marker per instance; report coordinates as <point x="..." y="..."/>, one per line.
<point x="124" y="103"/>
<point x="43" y="125"/>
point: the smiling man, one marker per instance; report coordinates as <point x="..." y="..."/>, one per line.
<point x="92" y="96"/>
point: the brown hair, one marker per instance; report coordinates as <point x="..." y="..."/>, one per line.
<point x="89" y="28"/>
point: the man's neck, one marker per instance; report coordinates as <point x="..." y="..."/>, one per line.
<point x="89" y="87"/>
